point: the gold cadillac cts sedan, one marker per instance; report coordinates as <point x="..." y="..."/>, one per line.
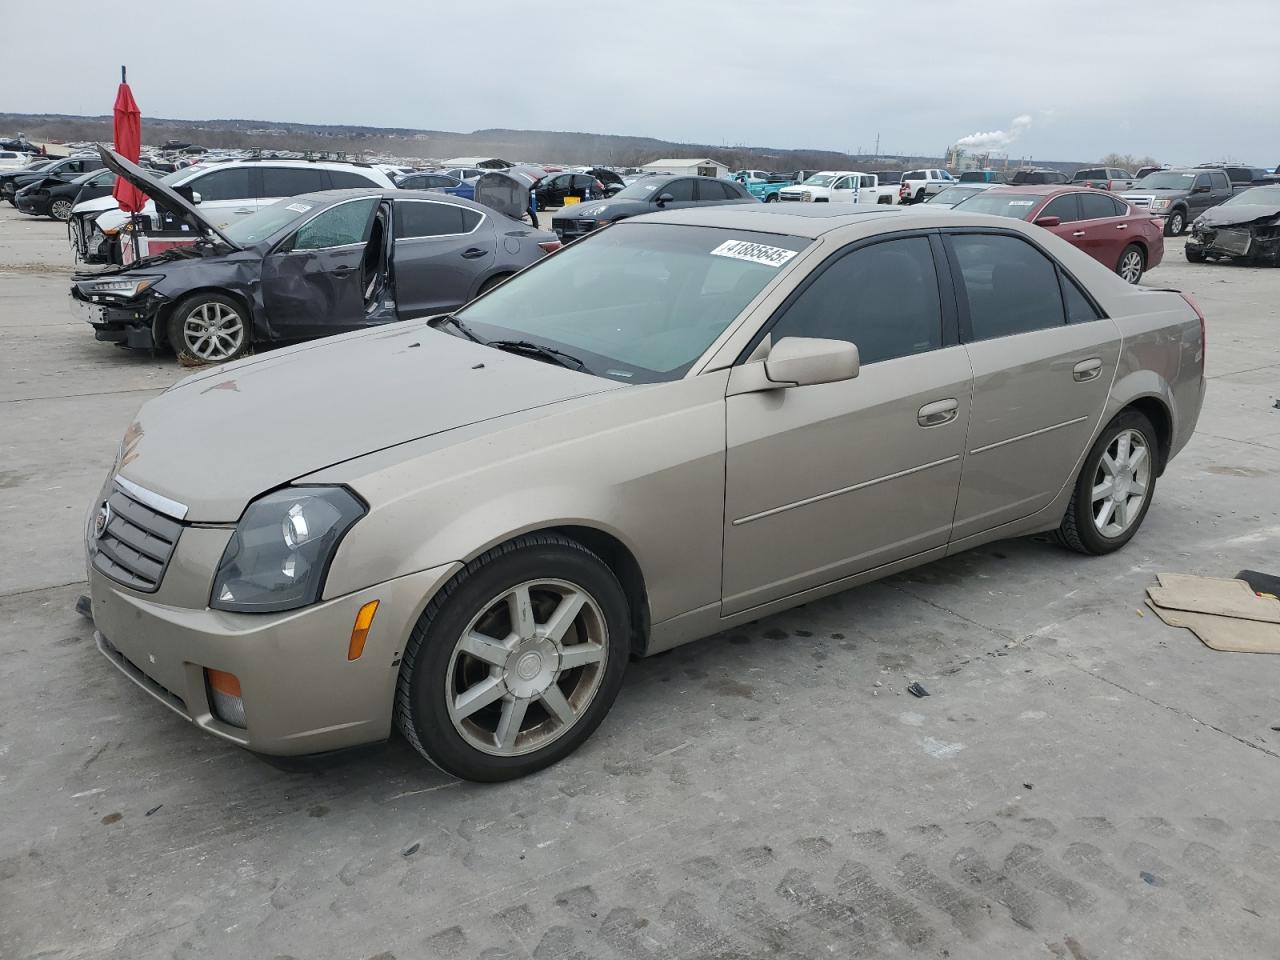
<point x="462" y="527"/>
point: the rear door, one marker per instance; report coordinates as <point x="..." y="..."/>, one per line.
<point x="312" y="284"/>
<point x="845" y="190"/>
<point x="825" y="481"/>
<point x="1039" y="382"/>
<point x="442" y="251"/>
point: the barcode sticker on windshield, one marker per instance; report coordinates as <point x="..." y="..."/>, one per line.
<point x="754" y="252"/>
<point x="299" y="207"/>
<point x="1021" y="203"/>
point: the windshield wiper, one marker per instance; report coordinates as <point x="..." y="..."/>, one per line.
<point x="457" y="325"/>
<point x="538" y="350"/>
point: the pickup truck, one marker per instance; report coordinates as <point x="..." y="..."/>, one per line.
<point x="840" y="186"/>
<point x="1179" y="196"/>
<point x="1104" y="178"/>
<point x="919" y="185"/>
<point x="764" y="186"/>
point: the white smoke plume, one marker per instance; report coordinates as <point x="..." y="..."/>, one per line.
<point x="996" y="139"/>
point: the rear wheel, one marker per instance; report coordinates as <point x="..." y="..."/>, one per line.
<point x="919" y="198"/>
<point x="492" y="282"/>
<point x="1114" y="488"/>
<point x="60" y="209"/>
<point x="516" y="661"/>
<point x="1175" y="223"/>
<point x="208" y="328"/>
<point x="1131" y="264"/>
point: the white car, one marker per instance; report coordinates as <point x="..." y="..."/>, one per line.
<point x="918" y="185"/>
<point x="13" y="159"/>
<point x="840" y="186"/>
<point x="226" y="191"/>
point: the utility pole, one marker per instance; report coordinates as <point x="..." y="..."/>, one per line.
<point x="877" y="144"/>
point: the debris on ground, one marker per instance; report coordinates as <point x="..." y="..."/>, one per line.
<point x="84" y="607"/>
<point x="917" y="690"/>
<point x="1225" y="614"/>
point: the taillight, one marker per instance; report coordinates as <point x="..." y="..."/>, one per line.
<point x="550" y="246"/>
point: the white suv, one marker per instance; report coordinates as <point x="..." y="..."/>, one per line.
<point x="919" y="185"/>
<point x="226" y="191"/>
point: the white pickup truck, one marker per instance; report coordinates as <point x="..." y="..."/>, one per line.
<point x="841" y="186"/>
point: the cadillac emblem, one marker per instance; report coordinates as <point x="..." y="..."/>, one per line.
<point x="101" y="521"/>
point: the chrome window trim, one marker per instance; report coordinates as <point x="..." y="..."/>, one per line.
<point x="157" y="502"/>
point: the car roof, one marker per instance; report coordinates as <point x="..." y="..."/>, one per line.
<point x="1041" y="189"/>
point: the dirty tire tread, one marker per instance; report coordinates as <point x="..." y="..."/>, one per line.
<point x="403" y="707"/>
<point x="173" y="333"/>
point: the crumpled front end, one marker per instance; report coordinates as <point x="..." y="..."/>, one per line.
<point x="1257" y="242"/>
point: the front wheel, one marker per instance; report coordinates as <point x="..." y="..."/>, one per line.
<point x="208" y="328"/>
<point x="1175" y="223"/>
<point x="516" y="661"/>
<point x="1131" y="264"/>
<point x="771" y="198"/>
<point x="60" y="209"/>
<point x="1114" y="488"/>
<point x="1194" y="254"/>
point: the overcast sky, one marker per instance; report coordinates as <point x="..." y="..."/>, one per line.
<point x="1182" y="80"/>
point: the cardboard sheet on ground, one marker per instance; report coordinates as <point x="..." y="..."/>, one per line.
<point x="1224" y="598"/>
<point x="1230" y="634"/>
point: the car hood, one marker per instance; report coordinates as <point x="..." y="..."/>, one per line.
<point x="1238" y="214"/>
<point x="604" y="210"/>
<point x="222" y="437"/>
<point x="163" y="195"/>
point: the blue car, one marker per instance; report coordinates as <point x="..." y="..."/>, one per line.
<point x="438" y="181"/>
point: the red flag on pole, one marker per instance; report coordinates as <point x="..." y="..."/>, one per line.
<point x="128" y="135"/>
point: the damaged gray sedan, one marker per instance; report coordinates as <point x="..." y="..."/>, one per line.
<point x="304" y="267"/>
<point x="1245" y="228"/>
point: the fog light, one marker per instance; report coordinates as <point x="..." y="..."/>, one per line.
<point x="224" y="697"/>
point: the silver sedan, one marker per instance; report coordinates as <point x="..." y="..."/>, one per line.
<point x="462" y="528"/>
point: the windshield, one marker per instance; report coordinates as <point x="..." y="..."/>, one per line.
<point x="819" y="180"/>
<point x="641" y="189"/>
<point x="637" y="302"/>
<point x="1269" y="196"/>
<point x="953" y="195"/>
<point x="1165" y="180"/>
<point x="1018" y="206"/>
<point x="258" y="226"/>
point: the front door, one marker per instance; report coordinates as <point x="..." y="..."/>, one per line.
<point x="313" y="283"/>
<point x="1040" y="383"/>
<point x="845" y="190"/>
<point x="226" y="194"/>
<point x="823" y="482"/>
<point x="441" y="251"/>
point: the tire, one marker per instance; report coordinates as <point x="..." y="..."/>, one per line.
<point x="208" y="328"/>
<point x="1194" y="255"/>
<point x="455" y="648"/>
<point x="60" y="209"/>
<point x="919" y="197"/>
<point x="1089" y="526"/>
<point x="1175" y="223"/>
<point x="771" y="198"/>
<point x="1131" y="264"/>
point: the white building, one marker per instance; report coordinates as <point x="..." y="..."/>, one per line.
<point x="688" y="168"/>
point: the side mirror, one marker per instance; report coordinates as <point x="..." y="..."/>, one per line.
<point x="804" y="361"/>
<point x="1048" y="221"/>
<point x="665" y="198"/>
<point x="195" y="197"/>
<point x="1199" y="189"/>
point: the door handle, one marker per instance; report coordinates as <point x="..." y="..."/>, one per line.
<point x="1122" y="226"/>
<point x="937" y="413"/>
<point x="1078" y="233"/>
<point x="341" y="271"/>
<point x="472" y="252"/>
<point x="1087" y="369"/>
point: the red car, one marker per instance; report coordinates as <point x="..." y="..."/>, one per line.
<point x="1101" y="224"/>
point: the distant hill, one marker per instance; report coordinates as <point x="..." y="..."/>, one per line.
<point x="546" y="146"/>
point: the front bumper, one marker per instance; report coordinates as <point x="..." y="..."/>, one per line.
<point x="301" y="694"/>
<point x="568" y="229"/>
<point x="34" y="206"/>
<point x="130" y="323"/>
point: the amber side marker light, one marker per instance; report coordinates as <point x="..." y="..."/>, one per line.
<point x="224" y="689"/>
<point x="360" y="632"/>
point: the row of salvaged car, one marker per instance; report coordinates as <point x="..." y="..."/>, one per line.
<point x="216" y="275"/>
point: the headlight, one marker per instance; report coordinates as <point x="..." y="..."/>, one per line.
<point x="280" y="553"/>
<point x="127" y="287"/>
<point x="1161" y="204"/>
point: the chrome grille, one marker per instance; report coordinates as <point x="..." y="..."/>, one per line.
<point x="1140" y="201"/>
<point x="789" y="196"/>
<point x="136" y="543"/>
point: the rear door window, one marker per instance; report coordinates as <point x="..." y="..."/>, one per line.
<point x="1097" y="206"/>
<point x="289" y="181"/>
<point x="423" y="218"/>
<point x="1220" y="180"/>
<point x="1008" y="286"/>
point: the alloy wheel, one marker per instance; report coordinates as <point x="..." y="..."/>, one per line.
<point x="213" y="331"/>
<point x="1176" y="223"/>
<point x="60" y="209"/>
<point x="1131" y="266"/>
<point x="527" y="667"/>
<point x="1121" y="483"/>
